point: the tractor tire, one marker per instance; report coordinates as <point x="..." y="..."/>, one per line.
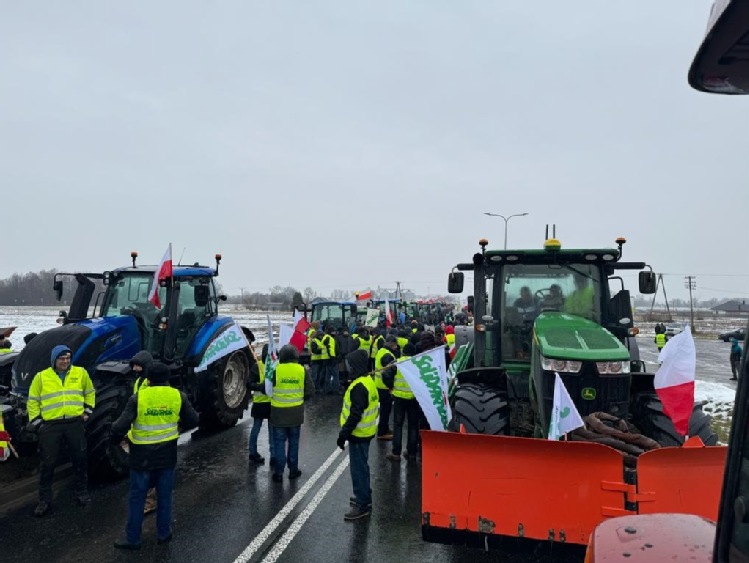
<point x="105" y="459"/>
<point x="649" y="418"/>
<point x="481" y="410"/>
<point x="227" y="395"/>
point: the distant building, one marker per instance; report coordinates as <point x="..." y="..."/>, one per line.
<point x="733" y="307"/>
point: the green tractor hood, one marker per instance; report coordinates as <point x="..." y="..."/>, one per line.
<point x="569" y="337"/>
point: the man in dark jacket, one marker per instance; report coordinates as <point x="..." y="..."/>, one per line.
<point x="139" y="364"/>
<point x="358" y="427"/>
<point x="150" y="419"/>
<point x="345" y="344"/>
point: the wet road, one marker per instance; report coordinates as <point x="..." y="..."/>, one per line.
<point x="225" y="509"/>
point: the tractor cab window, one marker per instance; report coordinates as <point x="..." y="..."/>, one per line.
<point x="531" y="289"/>
<point x="327" y="314"/>
<point x="197" y="302"/>
<point x="128" y="295"/>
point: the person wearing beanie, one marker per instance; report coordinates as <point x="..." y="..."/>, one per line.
<point x="292" y="385"/>
<point x="152" y="419"/>
<point x="61" y="398"/>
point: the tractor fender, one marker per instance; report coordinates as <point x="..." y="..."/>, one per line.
<point x="207" y="333"/>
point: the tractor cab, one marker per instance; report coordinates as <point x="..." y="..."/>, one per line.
<point x="337" y="313"/>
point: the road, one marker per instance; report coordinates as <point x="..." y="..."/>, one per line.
<point x="226" y="510"/>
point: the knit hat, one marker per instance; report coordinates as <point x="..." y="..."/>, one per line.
<point x="58" y="351"/>
<point x="158" y="373"/>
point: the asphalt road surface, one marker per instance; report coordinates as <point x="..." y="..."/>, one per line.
<point x="227" y="510"/>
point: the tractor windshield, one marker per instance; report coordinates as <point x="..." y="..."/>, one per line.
<point x="328" y="313"/>
<point x="527" y="290"/>
<point x="130" y="293"/>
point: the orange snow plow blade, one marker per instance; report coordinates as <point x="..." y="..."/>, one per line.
<point x="683" y="480"/>
<point x="522" y="487"/>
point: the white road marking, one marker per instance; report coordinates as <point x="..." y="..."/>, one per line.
<point x="285" y="540"/>
<point x="267" y="532"/>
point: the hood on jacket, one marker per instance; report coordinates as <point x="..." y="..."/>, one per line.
<point x="357" y="363"/>
<point x="142" y="358"/>
<point x="57" y="351"/>
<point x="287" y="354"/>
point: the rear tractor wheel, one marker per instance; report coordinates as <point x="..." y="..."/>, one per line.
<point x="228" y="395"/>
<point x="481" y="409"/>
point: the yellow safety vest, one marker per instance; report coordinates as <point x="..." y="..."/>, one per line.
<point x="142" y="385"/>
<point x="378" y="368"/>
<point x="402" y="341"/>
<point x="53" y="399"/>
<point x="660" y="340"/>
<point x="367" y="426"/>
<point x="5" y="351"/>
<point x="158" y="415"/>
<point x="401" y="389"/>
<point x="3" y="443"/>
<point x="379" y="341"/>
<point x="261" y="397"/>
<point x="450" y="339"/>
<point x="323" y="355"/>
<point x="288" y="390"/>
<point x="365" y="344"/>
<point x="329" y="347"/>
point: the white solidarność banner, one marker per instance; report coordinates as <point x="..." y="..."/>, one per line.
<point x="427" y="377"/>
<point x="373" y="317"/>
<point x="231" y="340"/>
<point x="564" y="415"/>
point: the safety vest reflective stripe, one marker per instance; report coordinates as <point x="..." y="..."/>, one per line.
<point x="61" y="404"/>
<point x="367" y="426"/>
<point x="53" y="398"/>
<point x="158" y="415"/>
<point x="259" y="396"/>
<point x="288" y="390"/>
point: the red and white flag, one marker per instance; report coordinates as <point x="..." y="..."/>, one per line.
<point x="388" y="314"/>
<point x="301" y="325"/>
<point x="364" y="296"/>
<point x="163" y="272"/>
<point x="674" y="380"/>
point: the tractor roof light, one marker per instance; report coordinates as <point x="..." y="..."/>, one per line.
<point x="483" y="243"/>
<point x="620" y="241"/>
<point x="133" y="256"/>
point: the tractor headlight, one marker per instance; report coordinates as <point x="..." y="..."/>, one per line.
<point x="561" y="366"/>
<point x="612" y="368"/>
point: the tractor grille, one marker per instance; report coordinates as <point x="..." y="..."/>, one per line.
<point x="35" y="356"/>
<point x="609" y="393"/>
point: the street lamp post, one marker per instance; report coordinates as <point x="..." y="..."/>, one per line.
<point x="506" y="220"/>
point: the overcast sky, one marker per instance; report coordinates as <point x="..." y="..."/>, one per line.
<point x="350" y="144"/>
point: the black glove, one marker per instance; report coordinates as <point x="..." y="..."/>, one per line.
<point x="34" y="426"/>
<point x="341" y="442"/>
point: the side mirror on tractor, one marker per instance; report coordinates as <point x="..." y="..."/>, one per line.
<point x="57" y="286"/>
<point x="647" y="283"/>
<point x="455" y="282"/>
<point x="470" y="304"/>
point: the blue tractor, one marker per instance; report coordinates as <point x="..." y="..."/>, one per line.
<point x="186" y="333"/>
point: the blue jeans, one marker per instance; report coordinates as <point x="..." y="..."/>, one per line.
<point x="140" y="482"/>
<point x="317" y="369"/>
<point x="358" y="454"/>
<point x="257" y="424"/>
<point x="281" y="436"/>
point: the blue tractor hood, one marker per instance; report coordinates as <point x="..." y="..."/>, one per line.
<point x="92" y="342"/>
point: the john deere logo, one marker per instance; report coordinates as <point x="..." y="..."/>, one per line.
<point x="588" y="393"/>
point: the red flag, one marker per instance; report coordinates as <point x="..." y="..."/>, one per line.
<point x="364" y="296"/>
<point x="674" y="380"/>
<point x="163" y="272"/>
<point x="388" y="314"/>
<point x="299" y="338"/>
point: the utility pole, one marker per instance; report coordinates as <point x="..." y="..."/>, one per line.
<point x="691" y="284"/>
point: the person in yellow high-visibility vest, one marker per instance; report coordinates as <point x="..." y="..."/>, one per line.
<point x="660" y="340"/>
<point x="358" y="426"/>
<point x="331" y="383"/>
<point x="152" y="419"/>
<point x="405" y="408"/>
<point x="385" y="367"/>
<point x="139" y="364"/>
<point x="61" y="398"/>
<point x="292" y="385"/>
<point x="260" y="409"/>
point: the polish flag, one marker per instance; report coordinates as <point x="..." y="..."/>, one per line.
<point x="163" y="272"/>
<point x="388" y="314"/>
<point x="674" y="380"/>
<point x="364" y="296"/>
<point x="301" y="325"/>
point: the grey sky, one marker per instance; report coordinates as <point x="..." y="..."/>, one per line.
<point x="346" y="144"/>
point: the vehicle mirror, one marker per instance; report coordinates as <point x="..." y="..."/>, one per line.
<point x="57" y="286"/>
<point x="470" y="304"/>
<point x="455" y="282"/>
<point x="201" y="294"/>
<point x="647" y="282"/>
<point x="222" y="297"/>
<point x="721" y="65"/>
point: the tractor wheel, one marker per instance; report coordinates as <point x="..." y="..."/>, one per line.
<point x="481" y="410"/>
<point x="227" y="391"/>
<point x="106" y="460"/>
<point x="649" y="418"/>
